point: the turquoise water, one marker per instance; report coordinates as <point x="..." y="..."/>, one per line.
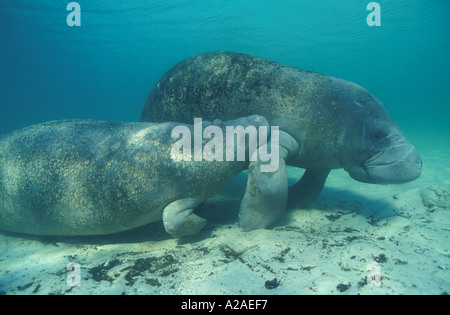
<point x="106" y="68"/>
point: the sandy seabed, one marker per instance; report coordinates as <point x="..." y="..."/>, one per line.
<point x="354" y="239"/>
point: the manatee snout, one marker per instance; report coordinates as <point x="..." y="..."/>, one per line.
<point x="398" y="164"/>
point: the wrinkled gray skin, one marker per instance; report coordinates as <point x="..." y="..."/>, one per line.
<point x="335" y="123"/>
<point x="87" y="177"/>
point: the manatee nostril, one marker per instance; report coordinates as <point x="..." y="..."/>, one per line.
<point x="419" y="164"/>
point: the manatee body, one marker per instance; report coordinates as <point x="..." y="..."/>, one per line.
<point x="87" y="177"/>
<point x="335" y="123"/>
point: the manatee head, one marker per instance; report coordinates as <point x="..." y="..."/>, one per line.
<point x="373" y="149"/>
<point x="390" y="159"/>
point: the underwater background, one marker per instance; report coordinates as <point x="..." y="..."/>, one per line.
<point x="106" y="68"/>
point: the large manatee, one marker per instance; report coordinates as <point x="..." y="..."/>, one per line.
<point x="335" y="123"/>
<point x="87" y="177"/>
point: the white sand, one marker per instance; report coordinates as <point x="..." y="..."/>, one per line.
<point x="324" y="249"/>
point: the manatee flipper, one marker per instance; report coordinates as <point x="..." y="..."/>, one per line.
<point x="307" y="188"/>
<point x="179" y="218"/>
<point x="267" y="191"/>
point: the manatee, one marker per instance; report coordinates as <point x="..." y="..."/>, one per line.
<point x="90" y="177"/>
<point x="333" y="122"/>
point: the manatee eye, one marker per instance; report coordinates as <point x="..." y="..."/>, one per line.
<point x="380" y="137"/>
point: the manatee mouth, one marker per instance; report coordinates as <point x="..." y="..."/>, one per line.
<point x="396" y="165"/>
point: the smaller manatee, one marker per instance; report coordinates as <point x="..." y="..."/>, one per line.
<point x="89" y="177"/>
